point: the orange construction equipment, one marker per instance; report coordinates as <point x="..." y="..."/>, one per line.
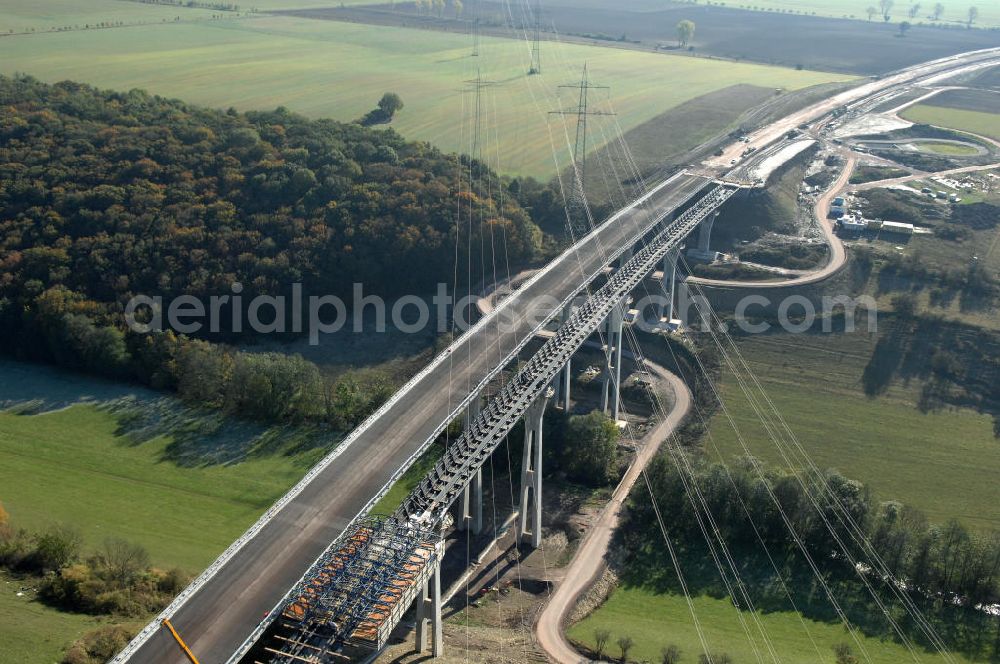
<point x="357" y="591"/>
<point x="180" y="642"/>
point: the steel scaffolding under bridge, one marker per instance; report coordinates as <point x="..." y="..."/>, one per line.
<point x="355" y="594"/>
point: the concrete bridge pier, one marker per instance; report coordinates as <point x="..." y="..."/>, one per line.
<point x="468" y="511"/>
<point x="429" y="610"/>
<point x="561" y="383"/>
<point x="530" y="514"/>
<point x="564" y="376"/>
<point x="705" y="234"/>
<point x="670" y="283"/>
<point x="611" y="388"/>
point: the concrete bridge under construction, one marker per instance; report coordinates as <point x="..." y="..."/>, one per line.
<point x="317" y="576"/>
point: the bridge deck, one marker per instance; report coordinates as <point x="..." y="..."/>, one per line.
<point x="225" y="610"/>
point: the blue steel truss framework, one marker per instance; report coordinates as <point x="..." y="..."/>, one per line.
<point x="429" y="502"/>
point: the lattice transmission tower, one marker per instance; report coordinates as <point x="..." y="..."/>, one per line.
<point x="476" y="86"/>
<point x="536" y="52"/>
<point x="578" y="211"/>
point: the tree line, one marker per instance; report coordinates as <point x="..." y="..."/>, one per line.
<point x="935" y="12"/>
<point x="194" y="4"/>
<point x="105" y="195"/>
<point x="949" y="571"/>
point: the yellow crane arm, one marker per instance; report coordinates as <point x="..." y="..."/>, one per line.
<point x="180" y="642"/>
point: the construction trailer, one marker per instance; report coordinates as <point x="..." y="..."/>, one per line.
<point x="852" y="224"/>
<point x="897" y="227"/>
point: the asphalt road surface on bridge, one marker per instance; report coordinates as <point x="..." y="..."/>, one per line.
<point x="217" y="619"/>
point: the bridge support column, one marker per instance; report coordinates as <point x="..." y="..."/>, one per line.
<point x="561" y="383"/>
<point x="469" y="507"/>
<point x="611" y="389"/>
<point x="429" y="602"/>
<point x="705" y="233"/>
<point x="531" y="474"/>
<point x="670" y="283"/>
<point x="565" y="376"/>
<point x="468" y="510"/>
<point x="627" y="256"/>
<point x="437" y="634"/>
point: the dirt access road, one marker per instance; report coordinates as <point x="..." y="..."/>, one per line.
<point x="588" y="563"/>
<point x="838" y="254"/>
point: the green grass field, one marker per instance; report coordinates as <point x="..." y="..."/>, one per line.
<point x="951" y="149"/>
<point x="280" y="5"/>
<point x="408" y="482"/>
<point x="984" y="124"/>
<point x="73" y="466"/>
<point x="944" y="463"/>
<point x="32" y="633"/>
<point x="654" y="621"/>
<point x="339" y="70"/>
<point x="40" y="15"/>
<point x="955" y="10"/>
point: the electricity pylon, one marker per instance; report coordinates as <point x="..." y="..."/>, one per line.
<point x="578" y="200"/>
<point x="536" y="55"/>
<point x="476" y="86"/>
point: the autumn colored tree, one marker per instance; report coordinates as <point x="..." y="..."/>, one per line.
<point x="106" y="195"/>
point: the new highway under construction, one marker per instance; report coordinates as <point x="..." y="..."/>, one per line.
<point x="322" y="578"/>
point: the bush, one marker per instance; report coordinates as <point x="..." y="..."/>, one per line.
<point x="123" y="561"/>
<point x="978" y="216"/>
<point x="953" y="233"/>
<point x="670" y="655"/>
<point x="390" y="103"/>
<point x="173" y="581"/>
<point x="15" y="548"/>
<point x="793" y="256"/>
<point x="56" y="547"/>
<point x="115" y="581"/>
<point x="905" y="305"/>
<point x="844" y="654"/>
<point x="98" y="646"/>
<point x="274" y="387"/>
<point x="587" y="451"/>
